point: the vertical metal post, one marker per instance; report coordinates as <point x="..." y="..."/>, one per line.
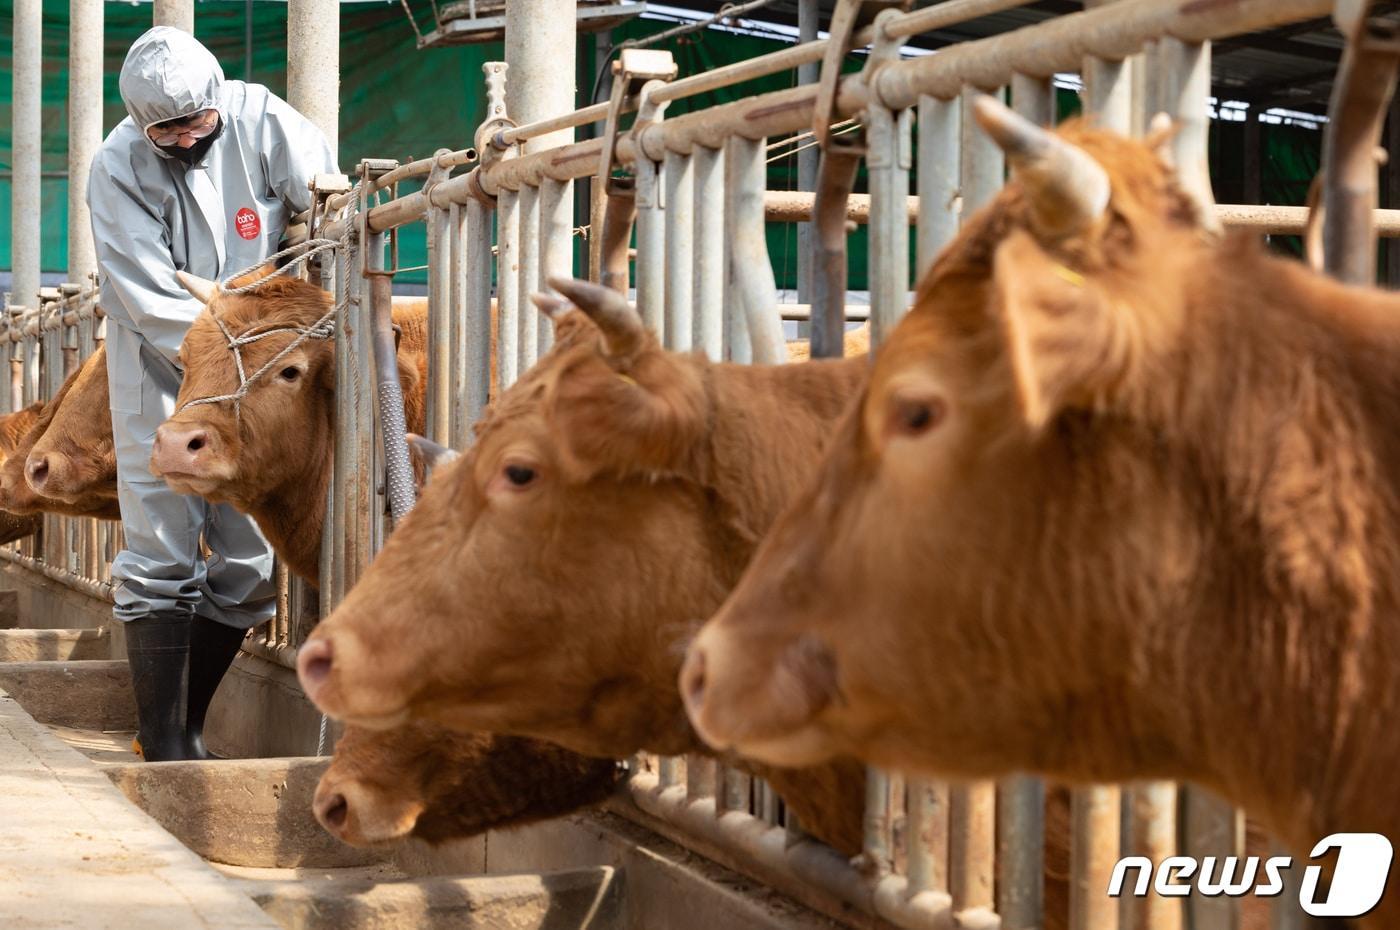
<point x="1183" y="85"/>
<point x="542" y="50"/>
<point x="440" y="323"/>
<point x="651" y="246"/>
<point x="877" y="848"/>
<point x="808" y="22"/>
<point x="1152" y="833"/>
<point x="177" y="13"/>
<point x="26" y="122"/>
<point x="507" y="289"/>
<point x="971" y="848"/>
<point x="1034" y="98"/>
<point x="983" y="165"/>
<point x="928" y="836"/>
<point x="709" y="268"/>
<point x="755" y="295"/>
<point x="1020" y="882"/>
<point x="84" y="127"/>
<point x="1094" y="848"/>
<point x="1108" y="93"/>
<point x="556" y="242"/>
<point x="1210" y="827"/>
<point x="940" y="187"/>
<point x="887" y="164"/>
<point x="471" y="277"/>
<point x="313" y="63"/>
<point x="528" y="271"/>
<point x="679" y="234"/>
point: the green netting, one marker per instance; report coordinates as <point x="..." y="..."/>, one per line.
<point x="402" y="102"/>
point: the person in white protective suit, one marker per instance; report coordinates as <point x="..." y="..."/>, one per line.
<point x="201" y="176"/>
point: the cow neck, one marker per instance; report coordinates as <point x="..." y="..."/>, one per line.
<point x="292" y="516"/>
<point x="1297" y="421"/>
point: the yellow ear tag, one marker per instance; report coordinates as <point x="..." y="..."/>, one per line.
<point x="1070" y="275"/>
<point x="628" y="378"/>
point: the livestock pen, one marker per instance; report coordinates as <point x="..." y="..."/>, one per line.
<point x="688" y="193"/>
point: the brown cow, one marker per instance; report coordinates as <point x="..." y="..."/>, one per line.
<point x="1120" y="501"/>
<point x="13" y="428"/>
<point x="271" y="460"/>
<point x="74" y="461"/>
<point x="79" y="414"/>
<point x="576" y="467"/>
<point x="429" y="782"/>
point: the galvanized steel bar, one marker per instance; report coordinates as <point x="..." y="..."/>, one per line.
<point x="940" y="184"/>
<point x="25" y="137"/>
<point x="679" y="178"/>
<point x="651" y="247"/>
<point x="177" y="13"/>
<point x="983" y="165"/>
<point x="1033" y="97"/>
<point x="1152" y="818"/>
<point x="1094" y="849"/>
<point x="440" y="312"/>
<point x="971" y="852"/>
<point x="928" y="836"/>
<point x="471" y="277"/>
<point x="313" y="63"/>
<point x="1108" y="93"/>
<point x="1020" y="879"/>
<point x="507" y="290"/>
<point x="1210" y="827"/>
<point x="556" y="243"/>
<point x="528" y="277"/>
<point x="888" y="159"/>
<point x="85" y="19"/>
<point x="877" y="847"/>
<point x="699" y="777"/>
<point x="398" y="474"/>
<point x="1182" y="86"/>
<point x="709" y="268"/>
<point x="755" y="290"/>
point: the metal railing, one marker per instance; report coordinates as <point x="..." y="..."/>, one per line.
<point x="935" y="855"/>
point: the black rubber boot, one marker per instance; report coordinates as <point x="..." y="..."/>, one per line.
<point x="158" y="650"/>
<point x="212" y="649"/>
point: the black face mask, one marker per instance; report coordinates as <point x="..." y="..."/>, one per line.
<point x="195" y="152"/>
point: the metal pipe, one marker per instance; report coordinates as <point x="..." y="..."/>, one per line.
<point x="177" y="13"/>
<point x="556" y="243"/>
<point x="1034" y="98"/>
<point x="1094" y="848"/>
<point x="1152" y="817"/>
<point x="971" y="848"/>
<point x="836" y="176"/>
<point x="928" y="836"/>
<point x="1020" y="861"/>
<point x="619" y="216"/>
<point x="85" y="18"/>
<point x="507" y="290"/>
<point x="709" y="268"/>
<point x="940" y="167"/>
<point x="98" y="589"/>
<point x="888" y="161"/>
<point x="541" y="46"/>
<point x="983" y="164"/>
<point x="679" y="178"/>
<point x="750" y="270"/>
<point x="1210" y="827"/>
<point x="440" y="311"/>
<point x="876" y="845"/>
<point x="398" y="472"/>
<point x="1183" y="82"/>
<point x="472" y="345"/>
<point x="651" y="247"/>
<point x="528" y="280"/>
<point x="25" y="137"/>
<point x="313" y="63"/>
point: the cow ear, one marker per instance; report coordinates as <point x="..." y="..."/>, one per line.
<point x="646" y="419"/>
<point x="1066" y="339"/>
<point x="426" y="457"/>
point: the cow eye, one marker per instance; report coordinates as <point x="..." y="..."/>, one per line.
<point x="914" y="416"/>
<point x="290" y="373"/>
<point x="520" y="475"/>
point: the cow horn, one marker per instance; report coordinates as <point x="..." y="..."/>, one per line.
<point x="621" y="326"/>
<point x="1068" y="190"/>
<point x="202" y="288"/>
<point x="549" y="304"/>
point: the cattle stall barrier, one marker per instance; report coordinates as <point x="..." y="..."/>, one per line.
<point x="936" y="855"/>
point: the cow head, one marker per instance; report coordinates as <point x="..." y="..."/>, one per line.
<point x="955" y="583"/>
<point x="424" y="781"/>
<point x="241" y="452"/>
<point x="572" y="551"/>
<point x="75" y="460"/>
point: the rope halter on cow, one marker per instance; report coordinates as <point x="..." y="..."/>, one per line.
<point x="322" y="329"/>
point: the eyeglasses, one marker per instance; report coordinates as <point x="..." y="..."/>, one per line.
<point x="196" y="127"/>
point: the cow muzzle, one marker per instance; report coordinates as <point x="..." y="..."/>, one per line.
<point x="48" y="474"/>
<point x="360" y="816"/>
<point x="183" y="452"/>
<point x="323" y="668"/>
<point x="758" y="701"/>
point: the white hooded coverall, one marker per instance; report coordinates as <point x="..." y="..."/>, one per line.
<point x="152" y="215"/>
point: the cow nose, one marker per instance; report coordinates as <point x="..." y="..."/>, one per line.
<point x="37" y="472"/>
<point x="692" y="681"/>
<point x="332" y="811"/>
<point x="176" y="451"/>
<point x="314" y="665"/>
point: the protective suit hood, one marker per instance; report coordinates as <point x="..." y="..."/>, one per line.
<point x="169" y="74"/>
